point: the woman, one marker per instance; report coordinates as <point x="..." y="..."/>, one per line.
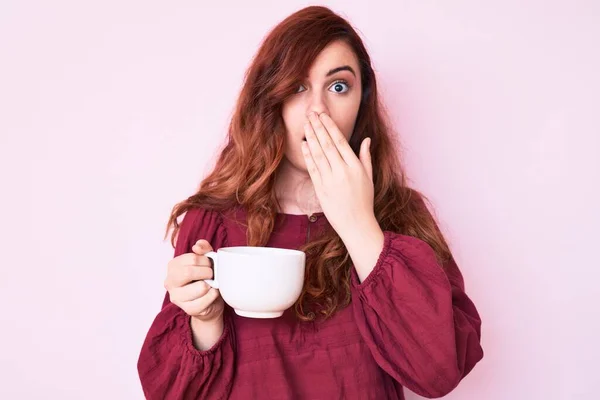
<point x="310" y="164"/>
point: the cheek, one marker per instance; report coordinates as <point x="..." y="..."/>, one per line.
<point x="345" y="122"/>
<point x="292" y="119"/>
<point x="344" y="115"/>
<point x="291" y="114"/>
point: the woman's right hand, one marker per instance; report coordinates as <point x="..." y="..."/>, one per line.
<point x="185" y="283"/>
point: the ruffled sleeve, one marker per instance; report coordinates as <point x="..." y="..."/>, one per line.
<point x="169" y="365"/>
<point x="421" y="327"/>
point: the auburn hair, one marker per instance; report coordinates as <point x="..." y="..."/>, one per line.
<point x="246" y="169"/>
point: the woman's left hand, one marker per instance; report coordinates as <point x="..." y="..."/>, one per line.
<point x="343" y="182"/>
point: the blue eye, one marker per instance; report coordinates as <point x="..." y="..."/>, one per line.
<point x="339" y="86"/>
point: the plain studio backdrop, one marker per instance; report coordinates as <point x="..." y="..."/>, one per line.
<point x="111" y="112"/>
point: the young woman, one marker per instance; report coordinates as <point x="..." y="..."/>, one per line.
<point x="311" y="164"/>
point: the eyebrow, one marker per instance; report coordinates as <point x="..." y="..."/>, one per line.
<point x="338" y="69"/>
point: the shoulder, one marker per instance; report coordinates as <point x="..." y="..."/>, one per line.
<point x="201" y="219"/>
<point x="200" y="223"/>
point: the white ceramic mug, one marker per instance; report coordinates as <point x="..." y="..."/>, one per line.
<point x="258" y="282"/>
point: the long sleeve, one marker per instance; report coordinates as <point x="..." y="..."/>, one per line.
<point x="413" y="313"/>
<point x="169" y="365"/>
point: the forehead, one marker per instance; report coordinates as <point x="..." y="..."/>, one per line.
<point x="335" y="54"/>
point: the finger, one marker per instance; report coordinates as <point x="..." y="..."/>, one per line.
<point x="202" y="246"/>
<point x="338" y="138"/>
<point x="189" y="292"/>
<point x="190" y="259"/>
<point x="311" y="167"/>
<point x="365" y="157"/>
<point x="325" y="140"/>
<point x="197" y="306"/>
<point x="184" y="274"/>
<point x="319" y="156"/>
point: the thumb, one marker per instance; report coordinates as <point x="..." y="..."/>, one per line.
<point x="365" y="157"/>
<point x="202" y="247"/>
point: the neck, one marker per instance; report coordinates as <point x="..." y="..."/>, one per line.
<point x="295" y="191"/>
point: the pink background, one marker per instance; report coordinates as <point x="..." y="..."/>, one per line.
<point x="111" y="111"/>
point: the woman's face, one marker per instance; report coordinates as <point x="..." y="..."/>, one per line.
<point x="333" y="86"/>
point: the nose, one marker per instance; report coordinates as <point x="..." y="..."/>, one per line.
<point x="317" y="103"/>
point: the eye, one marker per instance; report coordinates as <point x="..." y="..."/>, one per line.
<point x="340" y="87"/>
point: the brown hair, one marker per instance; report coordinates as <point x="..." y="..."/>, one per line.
<point x="244" y="174"/>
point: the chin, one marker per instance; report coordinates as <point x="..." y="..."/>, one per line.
<point x="301" y="165"/>
<point x="296" y="163"/>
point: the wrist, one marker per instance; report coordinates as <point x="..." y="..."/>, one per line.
<point x="206" y="333"/>
<point x="362" y="232"/>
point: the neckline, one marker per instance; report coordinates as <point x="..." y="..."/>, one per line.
<point x="318" y="214"/>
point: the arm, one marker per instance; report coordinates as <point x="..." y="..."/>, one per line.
<point x="419" y="324"/>
<point x="206" y="334"/>
<point x="170" y="366"/>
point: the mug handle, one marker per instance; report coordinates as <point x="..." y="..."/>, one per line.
<point x="213" y="282"/>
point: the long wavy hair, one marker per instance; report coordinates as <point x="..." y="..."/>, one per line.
<point x="246" y="169"/>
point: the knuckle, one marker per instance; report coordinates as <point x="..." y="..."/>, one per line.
<point x="202" y="286"/>
<point x="174" y="298"/>
<point x="206" y="287"/>
<point x="203" y="289"/>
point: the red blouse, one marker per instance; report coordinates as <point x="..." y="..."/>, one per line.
<point x="409" y="324"/>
